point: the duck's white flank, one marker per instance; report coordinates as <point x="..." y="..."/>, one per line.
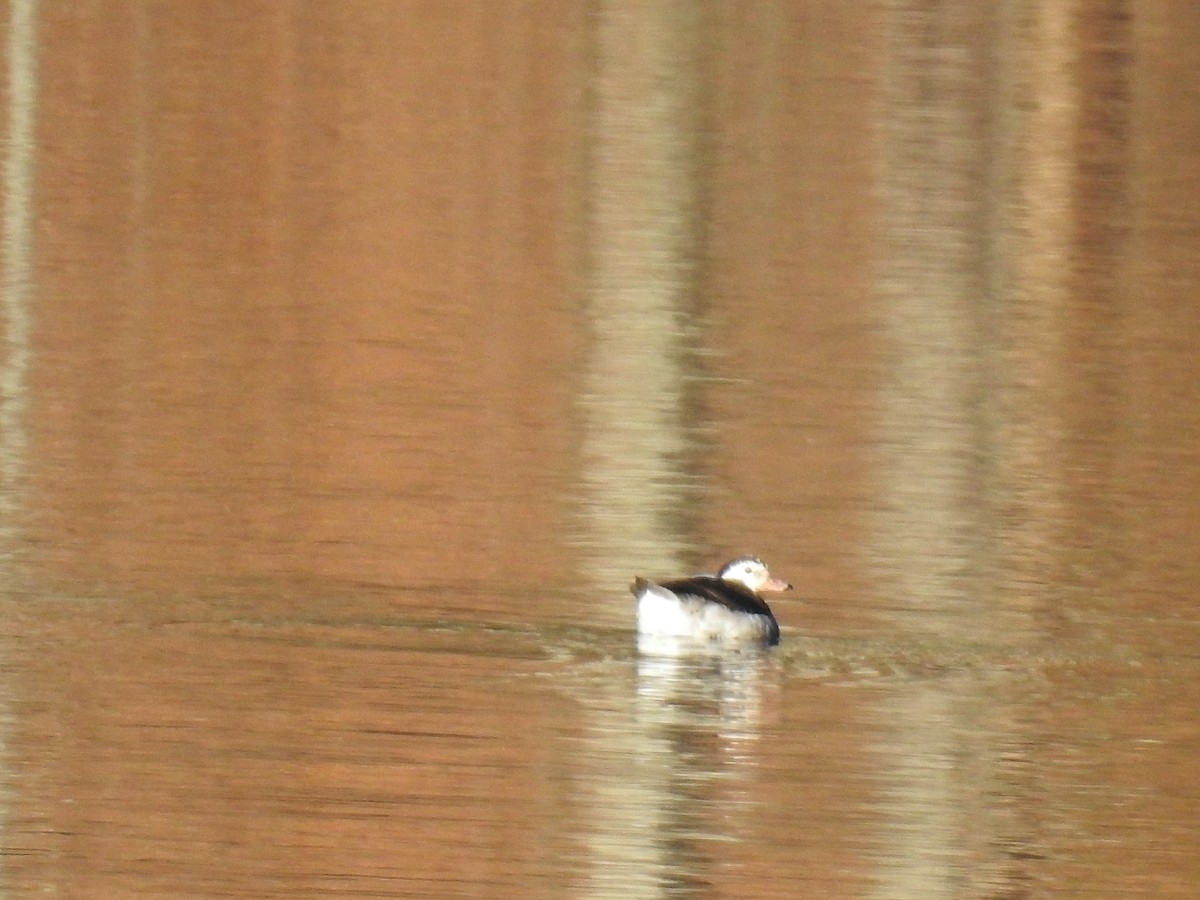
<point x="660" y="613"/>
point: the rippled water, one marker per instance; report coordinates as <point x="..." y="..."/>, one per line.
<point x="344" y="390"/>
<point x="160" y="752"/>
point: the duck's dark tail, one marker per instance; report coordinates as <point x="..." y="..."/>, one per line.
<point x="639" y="585"/>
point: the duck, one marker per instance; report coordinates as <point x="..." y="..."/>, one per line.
<point x="725" y="608"/>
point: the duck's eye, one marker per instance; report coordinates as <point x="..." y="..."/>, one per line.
<point x="747" y="570"/>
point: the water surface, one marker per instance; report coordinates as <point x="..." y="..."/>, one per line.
<point x="345" y="390"/>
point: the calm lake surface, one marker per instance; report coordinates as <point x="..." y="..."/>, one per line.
<point x="356" y="357"/>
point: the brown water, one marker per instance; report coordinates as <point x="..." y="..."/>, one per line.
<point x="356" y="356"/>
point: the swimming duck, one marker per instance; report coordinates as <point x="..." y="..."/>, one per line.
<point x="723" y="607"/>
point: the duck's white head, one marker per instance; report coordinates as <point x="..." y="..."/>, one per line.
<point x="752" y="572"/>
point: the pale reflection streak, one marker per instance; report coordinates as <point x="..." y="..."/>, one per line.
<point x="18" y="256"/>
<point x="17" y="250"/>
<point x="640" y="235"/>
<point x="930" y="537"/>
<point x="634" y="441"/>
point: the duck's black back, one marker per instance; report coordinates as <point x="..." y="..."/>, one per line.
<point x="729" y="594"/>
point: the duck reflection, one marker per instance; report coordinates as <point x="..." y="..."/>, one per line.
<point x="667" y="776"/>
<point x="716" y="691"/>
